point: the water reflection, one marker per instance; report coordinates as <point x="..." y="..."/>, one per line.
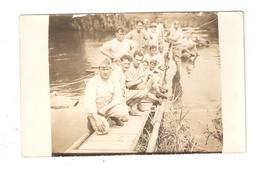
<point x="69" y="58"/>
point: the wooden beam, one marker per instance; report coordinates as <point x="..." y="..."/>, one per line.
<point x="119" y="140"/>
<point x="157" y="123"/>
<point x="77" y="143"/>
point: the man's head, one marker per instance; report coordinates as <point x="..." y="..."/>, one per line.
<point x="152" y="64"/>
<point x="105" y="68"/>
<point x="120" y="34"/>
<point x="146" y="23"/>
<point x="153" y="27"/>
<point x="159" y="20"/>
<point x="145" y="64"/>
<point x="125" y="62"/>
<point x="153" y="49"/>
<point x="160" y="48"/>
<point x="176" y="24"/>
<point x="138" y="58"/>
<point x="139" y="25"/>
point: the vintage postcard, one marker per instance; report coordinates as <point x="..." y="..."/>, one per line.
<point x="132" y="83"/>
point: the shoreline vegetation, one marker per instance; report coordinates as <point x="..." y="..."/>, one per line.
<point x="175" y="133"/>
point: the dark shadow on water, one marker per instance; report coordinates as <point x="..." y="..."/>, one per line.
<point x="68" y="56"/>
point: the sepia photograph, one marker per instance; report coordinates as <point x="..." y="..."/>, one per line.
<point x="101" y="84"/>
<point x="135" y="83"/>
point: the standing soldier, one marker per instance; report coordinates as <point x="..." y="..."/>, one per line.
<point x="154" y="38"/>
<point x="146" y="27"/>
<point x="176" y="38"/>
<point x="138" y="36"/>
<point x="118" y="46"/>
<point x="160" y="29"/>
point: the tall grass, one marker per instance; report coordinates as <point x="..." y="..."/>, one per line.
<point x="214" y="130"/>
<point x="174" y="134"/>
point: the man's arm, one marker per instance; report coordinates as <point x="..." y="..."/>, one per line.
<point x="105" y="49"/>
<point x="146" y="39"/>
<point x="90" y="97"/>
<point x="185" y="49"/>
<point x="133" y="47"/>
<point x="129" y="35"/>
<point x="116" y="99"/>
<point x="131" y="80"/>
<point x="90" y="105"/>
<point x="195" y="50"/>
<point x="130" y="84"/>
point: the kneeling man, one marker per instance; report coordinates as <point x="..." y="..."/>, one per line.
<point x="103" y="100"/>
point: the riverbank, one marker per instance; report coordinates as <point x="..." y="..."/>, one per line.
<point x="190" y="124"/>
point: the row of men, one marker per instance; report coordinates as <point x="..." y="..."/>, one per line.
<point x="132" y="71"/>
<point x="143" y="38"/>
<point x="118" y="91"/>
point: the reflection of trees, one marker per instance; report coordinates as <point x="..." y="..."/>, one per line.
<point x="98" y="26"/>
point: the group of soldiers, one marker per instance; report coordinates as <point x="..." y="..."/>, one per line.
<point x="133" y="70"/>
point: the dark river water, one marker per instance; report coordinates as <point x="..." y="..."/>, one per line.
<point x="70" y="59"/>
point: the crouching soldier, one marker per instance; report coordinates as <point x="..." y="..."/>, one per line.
<point x="103" y="100"/>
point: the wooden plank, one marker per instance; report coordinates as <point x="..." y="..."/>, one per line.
<point x="97" y="151"/>
<point x="77" y="143"/>
<point x="112" y="137"/>
<point x="156" y="115"/>
<point x="133" y="126"/>
<point x="135" y="141"/>
<point x="106" y="145"/>
<point x="156" y="127"/>
<point x="118" y="140"/>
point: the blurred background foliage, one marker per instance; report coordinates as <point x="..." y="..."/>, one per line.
<point x="97" y="26"/>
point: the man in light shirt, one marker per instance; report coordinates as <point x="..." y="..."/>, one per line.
<point x="118" y="46"/>
<point x="135" y="75"/>
<point x="131" y="97"/>
<point x="160" y="29"/>
<point x="176" y="33"/>
<point x="152" y="54"/>
<point x="146" y="26"/>
<point x="154" y="38"/>
<point x="103" y="100"/>
<point x="189" y="47"/>
<point x="137" y="79"/>
<point x="138" y="36"/>
<point x="176" y="37"/>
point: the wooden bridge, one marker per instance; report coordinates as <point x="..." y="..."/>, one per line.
<point x="124" y="139"/>
<point x="120" y="139"/>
